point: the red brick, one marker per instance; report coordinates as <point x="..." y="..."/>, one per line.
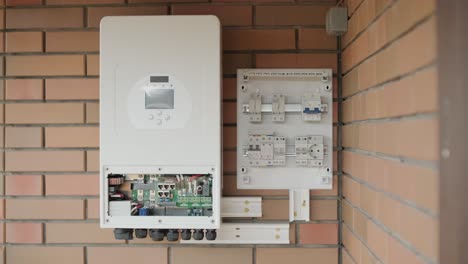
<point x="44" y="18"/>
<point x="23" y="137"/>
<point x="84" y="184"/>
<point x="298" y="255"/>
<point x="292" y="15"/>
<point x="318" y="234"/>
<point x="92" y="112"/>
<point x="229" y="88"/>
<point x="23" y="42"/>
<point x="296" y="60"/>
<point x="23" y="2"/>
<point x="72" y="89"/>
<point x="66" y="137"/>
<point x="44" y="209"/>
<point x="44" y="161"/>
<point x="119" y="255"/>
<point x="45" y="65"/>
<point x="323" y="210"/>
<point x="275" y="209"/>
<point x="24" y="233"/>
<point x="95" y="14"/>
<point x="316" y="39"/>
<point x="229" y="15"/>
<point x="23" y="185"/>
<point x="232" y="62"/>
<point x="24" y="89"/>
<point x="229" y="113"/>
<point x="84" y="2"/>
<point x="72" y="41"/>
<point x="211" y="255"/>
<point x="79" y="233"/>
<point x="229" y="161"/>
<point x="93" y="208"/>
<point x="92" y="65"/>
<point x="258" y="39"/>
<point x="44" y="255"/>
<point x="40" y="113"/>
<point x="92" y="160"/>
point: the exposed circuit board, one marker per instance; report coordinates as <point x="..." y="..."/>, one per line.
<point x="163" y="195"/>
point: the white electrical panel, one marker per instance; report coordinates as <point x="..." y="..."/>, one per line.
<point x="284" y="129"/>
<point x="160" y="125"/>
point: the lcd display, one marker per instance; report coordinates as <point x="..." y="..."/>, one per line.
<point x="159" y="99"/>
<point x="159" y="79"/>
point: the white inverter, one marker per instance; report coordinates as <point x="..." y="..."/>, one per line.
<point x="160" y="126"/>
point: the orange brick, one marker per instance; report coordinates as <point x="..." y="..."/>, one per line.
<point x="84" y="2"/>
<point x="63" y="137"/>
<point x="232" y="62"/>
<point x="93" y="209"/>
<point x="316" y="39"/>
<point x="24" y="233"/>
<point x="79" y="233"/>
<point x="23" y="185"/>
<point x="44" y="161"/>
<point x="295" y="60"/>
<point x="37" y="113"/>
<point x="23" y="137"/>
<point x="299" y="255"/>
<point x="95" y="14"/>
<point x="92" y="64"/>
<point x="24" y="89"/>
<point x="109" y="255"/>
<point x="84" y="184"/>
<point x="22" y="2"/>
<point x="92" y="113"/>
<point x="211" y="255"/>
<point x="72" y="89"/>
<point x="44" y="209"/>
<point x="258" y="39"/>
<point x="92" y="160"/>
<point x="44" y="18"/>
<point x="323" y="210"/>
<point x="45" y="65"/>
<point x="24" y="41"/>
<point x="318" y="234"/>
<point x="229" y="15"/>
<point x="72" y="41"/>
<point x="274" y="15"/>
<point x="275" y="209"/>
<point x="44" y="255"/>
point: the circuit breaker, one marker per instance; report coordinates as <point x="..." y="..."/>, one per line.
<point x="284" y="129"/>
<point x="160" y="126"/>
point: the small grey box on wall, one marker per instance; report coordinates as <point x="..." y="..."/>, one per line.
<point x="337" y="21"/>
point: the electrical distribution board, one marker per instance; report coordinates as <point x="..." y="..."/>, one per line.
<point x="160" y="126"/>
<point x="284" y="129"/>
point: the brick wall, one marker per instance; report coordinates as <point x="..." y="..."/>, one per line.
<point x="390" y="133"/>
<point x="49" y="131"/>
